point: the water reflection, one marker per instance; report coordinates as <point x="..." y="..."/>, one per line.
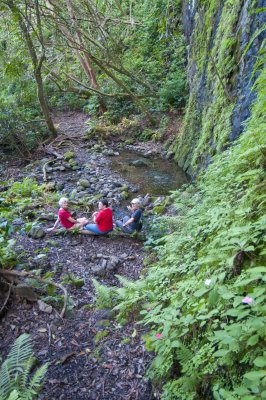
<point x="153" y="176"/>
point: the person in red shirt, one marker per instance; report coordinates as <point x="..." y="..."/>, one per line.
<point x="103" y="220"/>
<point x="65" y="218"/>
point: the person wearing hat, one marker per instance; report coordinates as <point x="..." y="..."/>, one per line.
<point x="131" y="223"/>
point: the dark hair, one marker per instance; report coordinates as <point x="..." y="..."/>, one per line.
<point x="104" y="202"/>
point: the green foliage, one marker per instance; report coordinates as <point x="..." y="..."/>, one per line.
<point x="100" y="335"/>
<point x="17" y="202"/>
<point x="105" y="296"/>
<point x="173" y="92"/>
<point x="16" y="381"/>
<point x="21" y="124"/>
<point x="204" y="297"/>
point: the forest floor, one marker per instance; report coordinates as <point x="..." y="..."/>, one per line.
<point x="90" y="355"/>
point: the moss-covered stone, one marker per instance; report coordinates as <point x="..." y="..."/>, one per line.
<point x="68" y="155"/>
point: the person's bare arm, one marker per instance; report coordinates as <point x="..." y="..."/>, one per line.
<point x="57" y="222"/>
<point x="129" y="221"/>
<point x="70" y="219"/>
<point x="94" y="216"/>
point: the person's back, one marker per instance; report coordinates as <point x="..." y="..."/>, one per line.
<point x="64" y="216"/>
<point x="104" y="219"/>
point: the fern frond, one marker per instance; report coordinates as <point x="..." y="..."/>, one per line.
<point x="38" y="377"/>
<point x="126" y="282"/>
<point x="20" y="352"/>
<point x="14" y="395"/>
<point x="15" y="371"/>
<point x="104" y="295"/>
<point x="25" y="375"/>
<point x="183" y="354"/>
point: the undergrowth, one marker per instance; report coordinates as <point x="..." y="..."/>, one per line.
<point x="204" y="298"/>
<point x="20" y="200"/>
<point x="16" y="380"/>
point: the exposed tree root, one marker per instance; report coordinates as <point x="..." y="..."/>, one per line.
<point x="11" y="275"/>
<point x="6" y="299"/>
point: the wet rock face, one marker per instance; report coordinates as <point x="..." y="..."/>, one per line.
<point x="248" y="25"/>
<point x="239" y="81"/>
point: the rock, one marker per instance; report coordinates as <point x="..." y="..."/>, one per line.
<point x="109" y="263"/>
<point x="50" y="186"/>
<point x="139" y="163"/>
<point x="36" y="232"/>
<point x="73" y="194"/>
<point x="60" y="186"/>
<point x="18" y="221"/>
<point x="124" y="187"/>
<point x="112" y="263"/>
<point x="117" y="184"/>
<point x="26" y="292"/>
<point x="84" y="183"/>
<point x="45" y="307"/>
<point x="98" y="270"/>
<point x="124" y="255"/>
<point x="68" y="155"/>
<point x="124" y="195"/>
<point x="109" y="152"/>
<point x="47" y="217"/>
<point x="59" y="168"/>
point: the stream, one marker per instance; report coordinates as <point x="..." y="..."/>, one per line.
<point x="155" y="176"/>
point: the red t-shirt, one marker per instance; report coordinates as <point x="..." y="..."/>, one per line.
<point x="104" y="220"/>
<point x="63" y="216"/>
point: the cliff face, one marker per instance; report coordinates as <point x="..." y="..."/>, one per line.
<point x="223" y="42"/>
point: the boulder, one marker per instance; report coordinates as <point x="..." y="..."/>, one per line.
<point x="36" y="232"/>
<point x="84" y="183"/>
<point x="25" y="292"/>
<point x="50" y="186"/>
<point x="69" y="155"/>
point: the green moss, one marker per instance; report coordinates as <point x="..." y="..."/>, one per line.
<point x="68" y="155"/>
<point x="100" y="335"/>
<point x="214" y="55"/>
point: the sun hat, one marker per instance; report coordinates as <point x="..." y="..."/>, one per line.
<point x="135" y="201"/>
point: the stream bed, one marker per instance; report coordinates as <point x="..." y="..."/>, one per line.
<point x="155" y="176"/>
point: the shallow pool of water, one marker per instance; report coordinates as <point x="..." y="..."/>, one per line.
<point x="154" y="176"/>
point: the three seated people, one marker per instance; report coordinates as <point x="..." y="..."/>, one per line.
<point x="103" y="219"/>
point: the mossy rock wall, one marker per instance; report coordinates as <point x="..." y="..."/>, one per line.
<point x="222" y="51"/>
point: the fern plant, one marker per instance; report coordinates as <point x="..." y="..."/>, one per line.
<point x="104" y="295"/>
<point x="15" y="379"/>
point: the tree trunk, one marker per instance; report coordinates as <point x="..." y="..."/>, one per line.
<point x="25" y="26"/>
<point x="43" y="103"/>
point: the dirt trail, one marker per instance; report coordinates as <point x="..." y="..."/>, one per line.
<point x="91" y="356"/>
